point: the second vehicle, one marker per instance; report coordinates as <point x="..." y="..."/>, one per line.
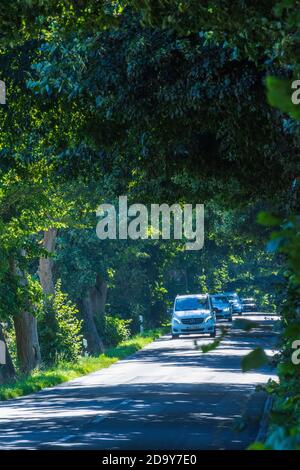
<point x="221" y="307"/>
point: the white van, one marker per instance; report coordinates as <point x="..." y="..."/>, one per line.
<point x="193" y="314"/>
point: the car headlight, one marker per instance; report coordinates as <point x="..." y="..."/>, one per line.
<point x="209" y="318"/>
<point x="176" y="319"/>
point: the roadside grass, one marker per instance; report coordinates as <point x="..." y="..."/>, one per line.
<point x="64" y="371"/>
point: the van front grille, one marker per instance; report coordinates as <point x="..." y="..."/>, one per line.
<point x="192" y="321"/>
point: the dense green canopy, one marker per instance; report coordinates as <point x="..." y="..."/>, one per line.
<point x="164" y="101"/>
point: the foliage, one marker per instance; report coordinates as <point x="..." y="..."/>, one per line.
<point x="279" y="96"/>
<point x="160" y="100"/>
<point x="254" y="360"/>
<point x="285" y="417"/>
<point x="60" y="336"/>
<point x="115" y="330"/>
<point x="64" y="371"/>
<point x="169" y="91"/>
<point x="205" y="348"/>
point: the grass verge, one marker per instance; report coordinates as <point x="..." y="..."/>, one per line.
<point x="64" y="371"/>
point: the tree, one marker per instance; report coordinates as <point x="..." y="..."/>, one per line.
<point x="161" y="96"/>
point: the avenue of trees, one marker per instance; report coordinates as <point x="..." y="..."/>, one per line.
<point x="163" y="101"/>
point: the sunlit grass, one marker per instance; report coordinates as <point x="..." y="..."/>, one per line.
<point x="64" y="371"/>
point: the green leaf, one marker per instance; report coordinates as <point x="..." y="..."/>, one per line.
<point x="292" y="331"/>
<point x="267" y="219"/>
<point x="255" y="359"/>
<point x="257" y="446"/>
<point x="209" y="347"/>
<point x="279" y="417"/>
<point x="287" y="368"/>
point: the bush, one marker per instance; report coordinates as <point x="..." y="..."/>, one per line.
<point x="60" y="329"/>
<point x="115" y="330"/>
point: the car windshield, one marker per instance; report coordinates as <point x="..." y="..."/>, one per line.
<point x="192" y="303"/>
<point x="232" y="296"/>
<point x="219" y="299"/>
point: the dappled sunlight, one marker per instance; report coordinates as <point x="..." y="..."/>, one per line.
<point x="169" y="388"/>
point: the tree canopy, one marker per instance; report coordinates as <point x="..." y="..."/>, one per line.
<point x="163" y="101"/>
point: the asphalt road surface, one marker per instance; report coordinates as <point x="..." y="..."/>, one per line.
<point x="169" y="395"/>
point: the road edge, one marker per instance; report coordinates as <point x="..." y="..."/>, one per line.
<point x="264" y="421"/>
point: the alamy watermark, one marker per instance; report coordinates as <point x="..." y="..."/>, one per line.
<point x="2" y="92"/>
<point x="296" y="353"/>
<point x="2" y="353"/>
<point x="163" y="221"/>
<point x="296" y="94"/>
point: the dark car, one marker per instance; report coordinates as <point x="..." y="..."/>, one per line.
<point x="221" y="307"/>
<point x="249" y="304"/>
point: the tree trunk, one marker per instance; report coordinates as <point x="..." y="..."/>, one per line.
<point x="46" y="277"/>
<point x="46" y="264"/>
<point x="28" y="348"/>
<point x="7" y="370"/>
<point x="27" y="342"/>
<point x="93" y="308"/>
<point x="99" y="296"/>
<point x="90" y="332"/>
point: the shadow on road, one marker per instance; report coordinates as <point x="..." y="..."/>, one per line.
<point x="168" y="396"/>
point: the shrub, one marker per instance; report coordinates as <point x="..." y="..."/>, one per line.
<point x="60" y="329"/>
<point x="115" y="330"/>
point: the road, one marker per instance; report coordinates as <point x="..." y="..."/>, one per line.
<point x="167" y="396"/>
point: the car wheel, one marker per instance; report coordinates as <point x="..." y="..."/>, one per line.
<point x="175" y="336"/>
<point x="213" y="334"/>
<point x="230" y="319"/>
